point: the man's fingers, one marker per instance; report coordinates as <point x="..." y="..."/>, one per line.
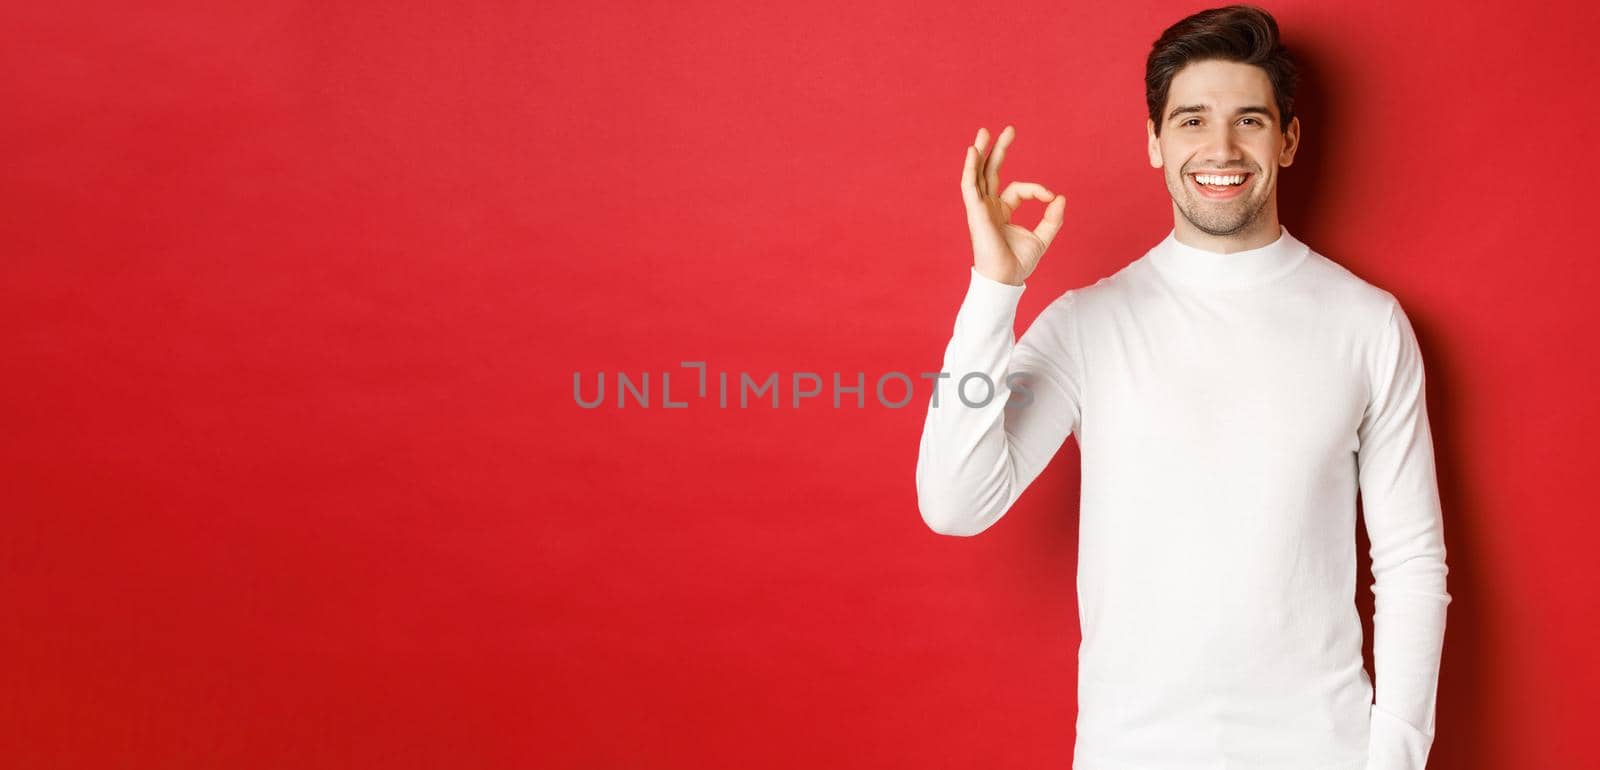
<point x="1054" y="214"/>
<point x="1016" y="191"/>
<point x="991" y="168"/>
<point x="969" y="181"/>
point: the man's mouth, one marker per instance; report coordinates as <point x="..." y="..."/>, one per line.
<point x="1220" y="185"/>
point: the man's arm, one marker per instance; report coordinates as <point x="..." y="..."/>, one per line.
<point x="1400" y="502"/>
<point x="975" y="461"/>
<point x="978" y="454"/>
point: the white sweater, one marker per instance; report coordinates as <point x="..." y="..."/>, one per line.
<point x="1227" y="407"/>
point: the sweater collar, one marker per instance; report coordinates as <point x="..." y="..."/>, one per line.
<point x="1239" y="269"/>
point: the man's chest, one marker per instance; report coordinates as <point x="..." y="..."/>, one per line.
<point x="1285" y="388"/>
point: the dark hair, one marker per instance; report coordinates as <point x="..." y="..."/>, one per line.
<point x="1239" y="33"/>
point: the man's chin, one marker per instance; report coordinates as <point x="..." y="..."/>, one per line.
<point x="1211" y="226"/>
<point x="1219" y="218"/>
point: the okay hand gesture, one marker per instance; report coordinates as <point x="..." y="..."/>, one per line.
<point x="1002" y="251"/>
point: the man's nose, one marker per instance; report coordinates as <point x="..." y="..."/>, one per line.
<point x="1222" y="146"/>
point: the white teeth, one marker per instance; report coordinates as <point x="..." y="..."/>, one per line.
<point x="1219" y="180"/>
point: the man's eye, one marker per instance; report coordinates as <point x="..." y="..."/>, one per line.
<point x="1190" y="120"/>
<point x="1257" y="121"/>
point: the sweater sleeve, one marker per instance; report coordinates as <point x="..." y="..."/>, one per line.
<point x="980" y="451"/>
<point x="1400" y="503"/>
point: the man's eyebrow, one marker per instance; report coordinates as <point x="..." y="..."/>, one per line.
<point x="1184" y="109"/>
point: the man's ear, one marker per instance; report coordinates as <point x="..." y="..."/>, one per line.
<point x="1153" y="144"/>
<point x="1291" y="142"/>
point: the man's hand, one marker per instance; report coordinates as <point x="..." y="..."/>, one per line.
<point x="1003" y="251"/>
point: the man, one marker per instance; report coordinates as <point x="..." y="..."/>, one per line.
<point x="1230" y="391"/>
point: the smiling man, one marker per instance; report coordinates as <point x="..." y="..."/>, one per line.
<point x="1222" y="200"/>
<point x="1231" y="392"/>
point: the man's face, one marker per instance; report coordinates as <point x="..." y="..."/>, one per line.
<point x="1221" y="119"/>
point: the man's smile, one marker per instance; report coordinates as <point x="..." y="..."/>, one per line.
<point x="1219" y="185"/>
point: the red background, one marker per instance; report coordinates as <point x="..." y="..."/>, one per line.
<point x="293" y="295"/>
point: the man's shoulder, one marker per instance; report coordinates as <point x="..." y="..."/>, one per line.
<point x="1339" y="287"/>
<point x="1319" y="279"/>
<point x="1319" y="282"/>
<point x="1121" y="285"/>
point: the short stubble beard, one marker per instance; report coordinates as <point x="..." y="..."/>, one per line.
<point x="1220" y="224"/>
